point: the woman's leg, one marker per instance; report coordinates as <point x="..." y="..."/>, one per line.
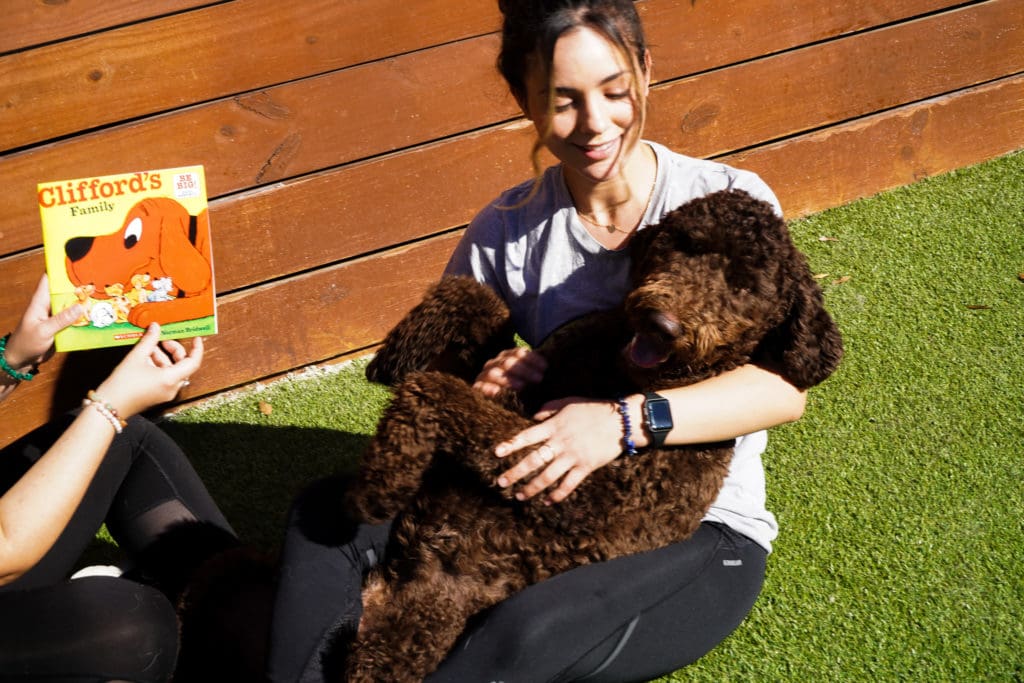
<point x="100" y="628"/>
<point x="160" y="490"/>
<point x="631" y="619"/>
<point x="323" y="562"/>
<point x="143" y="486"/>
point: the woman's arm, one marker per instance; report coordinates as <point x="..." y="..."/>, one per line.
<point x="581" y="435"/>
<point x="34" y="512"/>
<point x="742" y="401"/>
<point x="36" y="509"/>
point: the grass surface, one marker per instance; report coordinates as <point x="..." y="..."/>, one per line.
<point x="899" y="493"/>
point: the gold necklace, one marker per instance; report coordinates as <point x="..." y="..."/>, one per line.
<point x="611" y="227"/>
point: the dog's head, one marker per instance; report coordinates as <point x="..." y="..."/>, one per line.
<point x="717" y="283"/>
<point x="158" y="239"/>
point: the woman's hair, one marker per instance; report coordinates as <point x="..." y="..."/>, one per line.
<point x="531" y="28"/>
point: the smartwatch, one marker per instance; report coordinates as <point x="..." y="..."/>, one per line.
<point x="657" y="418"/>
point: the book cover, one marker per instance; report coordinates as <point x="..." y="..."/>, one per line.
<point x="133" y="248"/>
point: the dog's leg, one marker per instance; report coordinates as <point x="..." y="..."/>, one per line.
<point x="431" y="414"/>
<point x="414" y="428"/>
<point x="388" y="647"/>
<point x="401" y="450"/>
<point x="416" y="607"/>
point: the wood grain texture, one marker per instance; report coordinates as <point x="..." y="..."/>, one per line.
<point x="687" y="37"/>
<point x="877" y="153"/>
<point x="820" y="85"/>
<point x="33" y="23"/>
<point x="211" y="53"/>
<point x="382" y="107"/>
<point x="347" y="143"/>
<point x="266" y="330"/>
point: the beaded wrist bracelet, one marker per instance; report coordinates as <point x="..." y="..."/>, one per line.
<point x="106" y="410"/>
<point x="627" y="427"/>
<point x="11" y="372"/>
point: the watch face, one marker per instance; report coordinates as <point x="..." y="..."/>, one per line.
<point x="659" y="414"/>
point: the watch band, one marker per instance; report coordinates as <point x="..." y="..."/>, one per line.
<point x="657" y="418"/>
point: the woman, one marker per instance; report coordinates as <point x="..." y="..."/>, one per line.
<point x="59" y="483"/>
<point x="554" y="249"/>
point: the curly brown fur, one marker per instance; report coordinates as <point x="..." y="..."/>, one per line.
<point x="717" y="284"/>
<point x="454" y="329"/>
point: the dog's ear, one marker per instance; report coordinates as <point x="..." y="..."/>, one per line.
<point x="458" y="326"/>
<point x="179" y="257"/>
<point x="806" y="347"/>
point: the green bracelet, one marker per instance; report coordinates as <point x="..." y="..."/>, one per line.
<point x="7" y="368"/>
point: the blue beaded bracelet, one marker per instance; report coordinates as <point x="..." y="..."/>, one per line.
<point x="7" y="368"/>
<point x="627" y="427"/>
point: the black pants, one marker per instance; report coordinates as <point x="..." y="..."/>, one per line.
<point x="631" y="619"/>
<point x="101" y="628"/>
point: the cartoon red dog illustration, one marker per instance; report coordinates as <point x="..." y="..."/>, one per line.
<point x="160" y="239"/>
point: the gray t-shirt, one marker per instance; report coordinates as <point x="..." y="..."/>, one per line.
<point x="540" y="259"/>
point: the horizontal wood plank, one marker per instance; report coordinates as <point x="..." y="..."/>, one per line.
<point x="816" y="86"/>
<point x="32" y="23"/>
<point x="314" y="124"/>
<point x="211" y="53"/>
<point x="249" y="44"/>
<point x="835" y="166"/>
<point x="687" y="37"/>
<point x="282" y="132"/>
<point x="318" y="315"/>
<point x="366" y="207"/>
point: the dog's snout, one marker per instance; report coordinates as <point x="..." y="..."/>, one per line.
<point x="77" y="247"/>
<point x="666" y="324"/>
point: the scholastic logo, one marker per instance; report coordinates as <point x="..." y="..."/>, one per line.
<point x="90" y="190"/>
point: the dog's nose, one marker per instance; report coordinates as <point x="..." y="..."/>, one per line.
<point x="77" y="247"/>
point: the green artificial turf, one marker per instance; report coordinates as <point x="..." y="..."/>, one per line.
<point x="899" y="493"/>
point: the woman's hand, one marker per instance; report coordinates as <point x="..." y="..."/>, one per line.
<point x="32" y="340"/>
<point x="511" y="369"/>
<point x="149" y="374"/>
<point x="576" y="436"/>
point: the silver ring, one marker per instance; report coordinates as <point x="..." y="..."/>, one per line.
<point x="185" y="383"/>
<point x="547" y="453"/>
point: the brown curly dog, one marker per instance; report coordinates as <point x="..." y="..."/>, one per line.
<point x="716" y="284"/>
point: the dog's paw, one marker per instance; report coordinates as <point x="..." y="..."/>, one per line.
<point x="142" y="315"/>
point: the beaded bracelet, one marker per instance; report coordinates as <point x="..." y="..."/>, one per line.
<point x="627" y="426"/>
<point x="7" y="368"/>
<point x="106" y="410"/>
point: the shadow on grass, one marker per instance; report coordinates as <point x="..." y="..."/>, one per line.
<point x="255" y="471"/>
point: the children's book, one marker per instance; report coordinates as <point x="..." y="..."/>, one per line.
<point x="133" y="249"/>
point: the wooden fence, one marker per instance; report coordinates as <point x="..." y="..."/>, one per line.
<point x="348" y="142"/>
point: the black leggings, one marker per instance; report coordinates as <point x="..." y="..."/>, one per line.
<point x="631" y="619"/>
<point x="101" y="628"/>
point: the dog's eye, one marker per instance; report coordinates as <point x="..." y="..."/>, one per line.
<point x="132" y="233"/>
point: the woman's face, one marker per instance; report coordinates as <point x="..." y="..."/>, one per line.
<point x="591" y="123"/>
